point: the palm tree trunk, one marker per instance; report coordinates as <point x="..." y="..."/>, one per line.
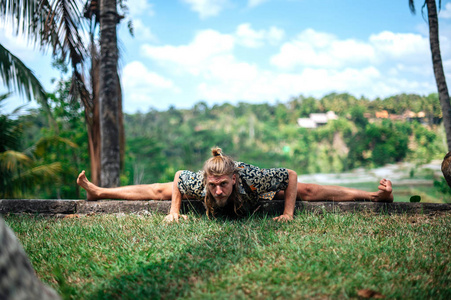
<point x="109" y="102"/>
<point x="443" y="94"/>
<point x="121" y="125"/>
<point x="94" y="123"/>
<point x="94" y="144"/>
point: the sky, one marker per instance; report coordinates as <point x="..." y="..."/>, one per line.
<point x="262" y="51"/>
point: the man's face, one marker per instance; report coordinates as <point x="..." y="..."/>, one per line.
<point x="221" y="188"/>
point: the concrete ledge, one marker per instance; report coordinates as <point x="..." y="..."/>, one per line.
<point x="70" y="207"/>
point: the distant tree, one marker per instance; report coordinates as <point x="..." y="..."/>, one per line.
<point x="437" y="64"/>
<point x="308" y="105"/>
<point x="339" y="103"/>
<point x="358" y="116"/>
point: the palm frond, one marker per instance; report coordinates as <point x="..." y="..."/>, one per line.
<point x="60" y="24"/>
<point x="3" y="97"/>
<point x="39" y="173"/>
<point x="19" y="12"/>
<point x="45" y="143"/>
<point x="11" y="161"/>
<point x="412" y="6"/>
<point x="48" y="23"/>
<point x="16" y="75"/>
<point x="19" y="182"/>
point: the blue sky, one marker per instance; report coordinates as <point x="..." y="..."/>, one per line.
<point x="186" y="51"/>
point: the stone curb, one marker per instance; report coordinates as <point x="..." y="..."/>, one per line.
<point x="70" y="207"/>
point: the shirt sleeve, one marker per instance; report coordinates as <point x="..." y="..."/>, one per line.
<point x="264" y="180"/>
<point x="191" y="184"/>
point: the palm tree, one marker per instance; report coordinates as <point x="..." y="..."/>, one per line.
<point x="57" y="25"/>
<point x="105" y="86"/>
<point x="437" y="64"/>
<point x="109" y="122"/>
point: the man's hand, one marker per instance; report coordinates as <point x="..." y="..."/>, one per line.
<point x="283" y="218"/>
<point x="174" y="217"/>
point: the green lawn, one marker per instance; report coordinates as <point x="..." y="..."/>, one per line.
<point x="328" y="256"/>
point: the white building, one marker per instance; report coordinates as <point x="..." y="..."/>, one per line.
<point x="316" y="120"/>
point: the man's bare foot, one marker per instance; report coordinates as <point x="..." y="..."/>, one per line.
<point x="385" y="191"/>
<point x="90" y="188"/>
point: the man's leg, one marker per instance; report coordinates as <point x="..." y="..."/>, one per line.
<point x="316" y="192"/>
<point x="156" y="191"/>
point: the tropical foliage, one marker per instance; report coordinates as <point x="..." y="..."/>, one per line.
<point x="22" y="171"/>
<point x="61" y="26"/>
<point x="439" y="73"/>
<point x="268" y="135"/>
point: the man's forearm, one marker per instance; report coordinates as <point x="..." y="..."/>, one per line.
<point x="290" y="193"/>
<point x="176" y="200"/>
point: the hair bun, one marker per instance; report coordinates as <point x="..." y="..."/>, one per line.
<point x="216" y="151"/>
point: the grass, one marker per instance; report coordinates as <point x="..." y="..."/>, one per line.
<point x="331" y="256"/>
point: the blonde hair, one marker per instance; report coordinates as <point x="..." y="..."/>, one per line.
<point x="219" y="165"/>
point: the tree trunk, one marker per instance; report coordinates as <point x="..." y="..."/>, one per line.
<point x="94" y="145"/>
<point x="443" y="94"/>
<point x="121" y="125"/>
<point x="109" y="102"/>
<point x="94" y="124"/>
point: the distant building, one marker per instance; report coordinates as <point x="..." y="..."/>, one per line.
<point x="306" y="123"/>
<point x="408" y="115"/>
<point x="383" y="114"/>
<point x="317" y="119"/>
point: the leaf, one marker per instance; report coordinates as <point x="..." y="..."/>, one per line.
<point x="415" y="198"/>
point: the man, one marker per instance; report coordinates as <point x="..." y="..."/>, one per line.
<point x="240" y="189"/>
<point x="224" y="182"/>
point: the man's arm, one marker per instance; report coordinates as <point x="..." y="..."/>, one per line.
<point x="290" y="198"/>
<point x="176" y="202"/>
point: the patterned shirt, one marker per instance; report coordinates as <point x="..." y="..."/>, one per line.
<point x="254" y="184"/>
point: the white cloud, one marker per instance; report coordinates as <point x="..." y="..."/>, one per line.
<point x="194" y="56"/>
<point x="400" y="45"/>
<point x="385" y="64"/>
<point x="317" y="49"/>
<point x="141" y="87"/>
<point x="136" y="76"/>
<point x="207" y="8"/>
<point x="140" y="7"/>
<point x="267" y="85"/>
<point x="142" y="31"/>
<point x="275" y="35"/>
<point x="251" y="38"/>
<point x="226" y="69"/>
<point x="254" y="3"/>
<point x="445" y="13"/>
